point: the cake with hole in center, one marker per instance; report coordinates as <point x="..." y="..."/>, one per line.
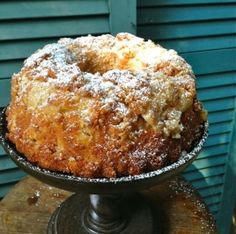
<point x="104" y="106"/>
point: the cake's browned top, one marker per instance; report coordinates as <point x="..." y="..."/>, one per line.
<point x="103" y="106"/>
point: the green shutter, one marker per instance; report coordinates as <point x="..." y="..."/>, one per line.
<point x="203" y="32"/>
<point x="27" y="25"/>
<point x="123" y="16"/>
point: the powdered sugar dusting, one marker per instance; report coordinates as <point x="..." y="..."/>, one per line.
<point x="143" y="86"/>
<point x="54" y="63"/>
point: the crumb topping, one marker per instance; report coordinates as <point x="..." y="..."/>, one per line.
<point x="142" y="87"/>
<point x="102" y="96"/>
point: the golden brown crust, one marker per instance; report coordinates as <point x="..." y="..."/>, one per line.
<point x="131" y="117"/>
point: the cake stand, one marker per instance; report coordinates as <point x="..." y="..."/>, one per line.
<point x="102" y="205"/>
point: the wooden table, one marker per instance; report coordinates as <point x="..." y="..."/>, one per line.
<point x="28" y="206"/>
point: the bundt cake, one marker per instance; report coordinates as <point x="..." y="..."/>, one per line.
<point x="104" y="106"/>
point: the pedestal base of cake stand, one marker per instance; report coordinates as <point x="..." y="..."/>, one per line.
<point x="106" y="213"/>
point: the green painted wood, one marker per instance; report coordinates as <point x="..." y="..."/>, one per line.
<point x="212" y="61"/>
<point x="5" y="188"/>
<point x="6" y="163"/>
<point x="123" y="16"/>
<point x="142" y="3"/>
<point x="184" y="30"/>
<point x="50" y="27"/>
<point x="214" y="93"/>
<point x="218" y="79"/>
<point x="223" y="127"/>
<point x="209" y="191"/>
<point x="5" y="88"/>
<point x="2" y="152"/>
<point x="184" y="45"/>
<point x="11" y="175"/>
<point x="217" y="92"/>
<point x="218" y="139"/>
<point x="212" y="151"/>
<point x="214" y="208"/>
<point x="209" y="186"/>
<point x="38" y="9"/>
<point x="201" y="163"/>
<point x="213" y="199"/>
<point x="221" y="116"/>
<point x="173" y="14"/>
<point x="8" y="67"/>
<point x="214" y="213"/>
<point x="21" y="49"/>
<point x="229" y="193"/>
<point x="219" y="104"/>
<point x="205" y="172"/>
<point x="207" y="182"/>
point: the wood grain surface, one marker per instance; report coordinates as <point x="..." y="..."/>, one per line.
<point x="28" y="206"/>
